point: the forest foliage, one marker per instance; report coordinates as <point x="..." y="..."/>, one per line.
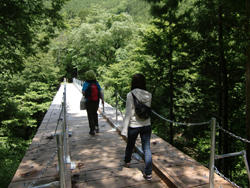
<point x="29" y="76"/>
<point x="192" y="52"/>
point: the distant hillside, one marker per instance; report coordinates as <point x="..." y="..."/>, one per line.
<point x="138" y="9"/>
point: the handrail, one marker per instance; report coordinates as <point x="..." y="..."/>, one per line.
<point x="63" y="146"/>
<point x="65" y="128"/>
<point x="66" y="179"/>
<point x="61" y="164"/>
<point x="62" y="150"/>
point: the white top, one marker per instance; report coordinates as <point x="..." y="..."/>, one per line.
<point x="131" y="119"/>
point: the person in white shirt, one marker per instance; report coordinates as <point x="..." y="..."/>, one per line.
<point x="133" y="125"/>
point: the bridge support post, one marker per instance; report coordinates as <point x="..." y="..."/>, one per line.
<point x="65" y="128"/>
<point x="116" y="107"/>
<point x="246" y="164"/>
<point x="59" y="140"/>
<point x="212" y="153"/>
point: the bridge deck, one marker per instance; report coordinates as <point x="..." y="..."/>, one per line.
<point x="99" y="159"/>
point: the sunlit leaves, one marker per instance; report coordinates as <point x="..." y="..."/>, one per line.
<point x="100" y="40"/>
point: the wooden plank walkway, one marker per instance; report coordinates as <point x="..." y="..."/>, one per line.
<point x="99" y="158"/>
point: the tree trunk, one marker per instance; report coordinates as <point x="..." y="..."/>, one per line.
<point x="171" y="88"/>
<point x="248" y="81"/>
<point x="224" y="90"/>
<point x="171" y="107"/>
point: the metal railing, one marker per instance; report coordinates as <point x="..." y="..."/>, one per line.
<point x="243" y="153"/>
<point x="62" y="140"/>
<point x="78" y="83"/>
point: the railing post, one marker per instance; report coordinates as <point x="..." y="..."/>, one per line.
<point x="102" y="94"/>
<point x="65" y="130"/>
<point x="246" y="164"/>
<point x="60" y="152"/>
<point x="116" y="107"/>
<point x="212" y="153"/>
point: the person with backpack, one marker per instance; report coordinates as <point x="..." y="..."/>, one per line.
<point x="92" y="92"/>
<point x="137" y="121"/>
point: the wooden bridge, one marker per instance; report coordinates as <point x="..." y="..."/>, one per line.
<point x="98" y="159"/>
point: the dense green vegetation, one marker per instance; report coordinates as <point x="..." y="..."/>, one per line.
<point x="193" y="53"/>
<point x="29" y="77"/>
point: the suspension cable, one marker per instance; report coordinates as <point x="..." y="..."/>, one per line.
<point x="233" y="135"/>
<point x="59" y="118"/>
<point x="170" y="121"/>
<point x="180" y="123"/>
<point x="121" y="98"/>
<point x="225" y="178"/>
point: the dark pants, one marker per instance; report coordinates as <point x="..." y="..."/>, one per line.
<point x="92" y="107"/>
<point x="145" y="134"/>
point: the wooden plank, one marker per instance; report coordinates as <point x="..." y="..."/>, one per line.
<point x="117" y="182"/>
<point x="27" y="183"/>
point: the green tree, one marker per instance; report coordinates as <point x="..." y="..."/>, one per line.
<point x="138" y="9"/>
<point x="248" y="77"/>
<point x="30" y="93"/>
<point x="27" y="96"/>
<point x="21" y="24"/>
<point x="167" y="44"/>
<point x="223" y="55"/>
<point x="212" y="72"/>
<point x="97" y="41"/>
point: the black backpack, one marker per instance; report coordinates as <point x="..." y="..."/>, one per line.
<point x="141" y="110"/>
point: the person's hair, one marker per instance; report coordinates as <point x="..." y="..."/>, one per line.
<point x="138" y="81"/>
<point x="90" y="75"/>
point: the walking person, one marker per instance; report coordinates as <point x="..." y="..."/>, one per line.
<point x="134" y="125"/>
<point x="92" y="92"/>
